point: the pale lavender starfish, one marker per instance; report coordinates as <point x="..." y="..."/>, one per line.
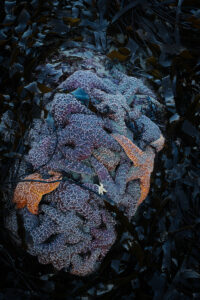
<point x="86" y="80"/>
<point x="67" y="166"/>
<point x="63" y="105"/>
<point x="129" y="86"/>
<point x="82" y="135"/>
<point x="75" y="198"/>
<point x="115" y="107"/>
<point x="104" y="237"/>
<point x="55" y="222"/>
<point x="116" y="189"/>
<point x="39" y="155"/>
<point x="148" y="130"/>
<point x="59" y="254"/>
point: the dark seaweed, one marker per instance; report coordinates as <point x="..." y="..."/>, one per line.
<point x="156" y="256"/>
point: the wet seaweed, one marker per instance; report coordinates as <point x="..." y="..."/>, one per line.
<point x="157" y="254"/>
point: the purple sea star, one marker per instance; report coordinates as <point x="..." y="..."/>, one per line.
<point x="63" y="105"/>
<point x="76" y="198"/>
<point x="115" y="107"/>
<point x="116" y="189"/>
<point x="148" y="130"/>
<point x="129" y="86"/>
<point x="86" y="80"/>
<point x="84" y="133"/>
<point x="143" y="163"/>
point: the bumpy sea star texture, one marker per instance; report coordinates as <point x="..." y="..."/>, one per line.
<point x="99" y="143"/>
<point x="29" y="193"/>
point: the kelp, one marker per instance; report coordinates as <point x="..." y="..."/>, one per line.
<point x="157" y="256"/>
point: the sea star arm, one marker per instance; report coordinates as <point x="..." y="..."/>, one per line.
<point x="131" y="150"/>
<point x="104" y="178"/>
<point x="86" y="80"/>
<point x="84" y="266"/>
<point x="145" y="185"/>
<point x="131" y="85"/>
<point x="65" y="104"/>
<point x="20" y="196"/>
<point x="134" y="173"/>
<point x="43" y="231"/>
<point x="66" y="165"/>
<point x="121" y="177"/>
<point x="41" y="152"/>
<point x="33" y="201"/>
<point x="130" y="204"/>
<point x="145" y="163"/>
<point x="159" y="143"/>
<point x="34" y="191"/>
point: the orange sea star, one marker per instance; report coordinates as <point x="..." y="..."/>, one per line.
<point x="30" y="193"/>
<point x="143" y="163"/>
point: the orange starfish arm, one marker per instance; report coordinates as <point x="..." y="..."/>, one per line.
<point x="44" y="188"/>
<point x="19" y="197"/>
<point x="21" y="193"/>
<point x="144" y="185"/>
<point x="143" y="160"/>
<point x="131" y="150"/>
<point x="33" y="202"/>
<point x="30" y="193"/>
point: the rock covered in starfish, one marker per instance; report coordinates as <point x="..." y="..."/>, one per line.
<point x="96" y="119"/>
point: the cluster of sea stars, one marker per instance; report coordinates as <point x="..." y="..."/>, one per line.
<point x="97" y="143"/>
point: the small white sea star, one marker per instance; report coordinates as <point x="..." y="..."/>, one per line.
<point x="101" y="189"/>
